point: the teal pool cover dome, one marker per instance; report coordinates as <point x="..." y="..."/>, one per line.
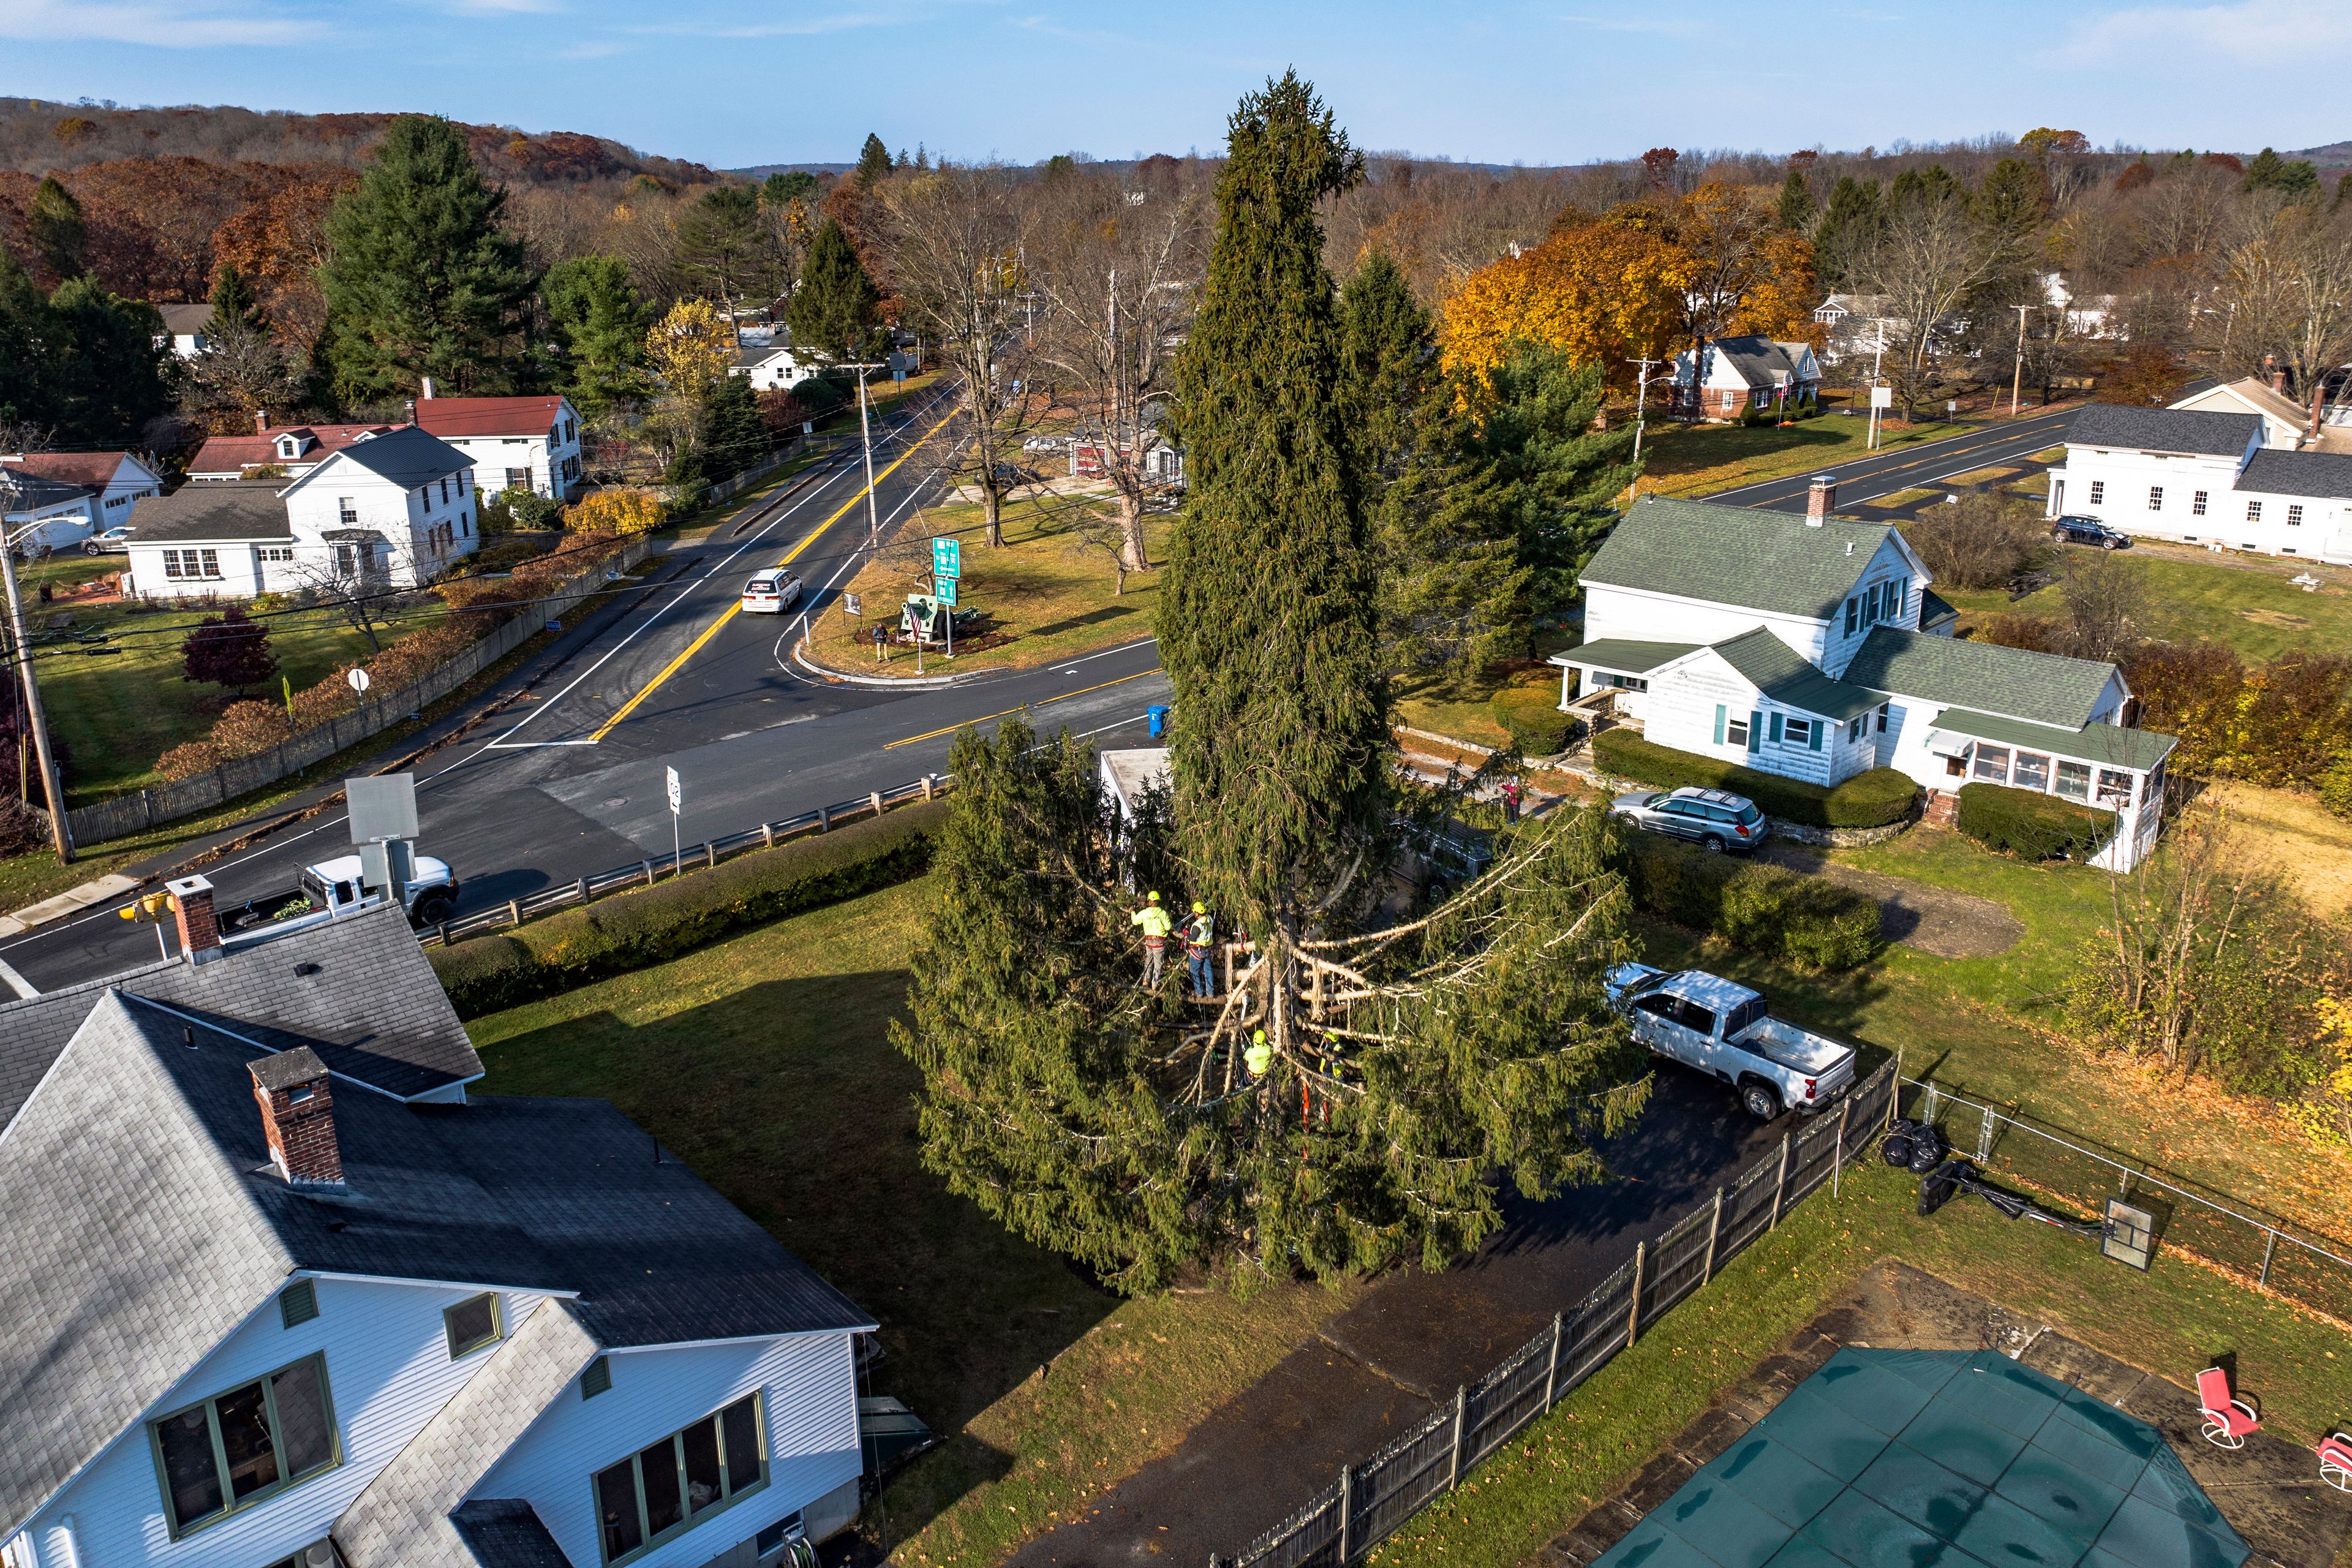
<point x="1892" y="1458"/>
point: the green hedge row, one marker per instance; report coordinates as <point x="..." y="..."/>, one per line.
<point x="631" y="930"/>
<point x="1809" y="920"/>
<point x="1873" y="799"/>
<point x="1532" y="715"/>
<point x="2030" y="825"/>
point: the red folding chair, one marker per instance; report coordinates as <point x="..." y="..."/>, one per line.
<point x="2228" y="1420"/>
<point x="2336" y="1461"/>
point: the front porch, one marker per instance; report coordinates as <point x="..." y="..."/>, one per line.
<point x="2103" y="767"/>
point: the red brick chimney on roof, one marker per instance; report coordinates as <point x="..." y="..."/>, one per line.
<point x="1821" y="497"/>
<point x="297" y="1117"/>
<point x="261" y="421"/>
<point x="192" y="905"/>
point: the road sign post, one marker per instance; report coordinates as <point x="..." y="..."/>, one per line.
<point x="676" y="803"/>
<point x="946" y="568"/>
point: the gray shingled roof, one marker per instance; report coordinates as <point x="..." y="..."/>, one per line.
<point x="213" y="511"/>
<point x="1780" y="672"/>
<point x="506" y="1532"/>
<point x="2324" y="475"/>
<point x="408" y="457"/>
<point x="1753" y="559"/>
<point x="1760" y="361"/>
<point x="2041" y="688"/>
<point x="370" y="1006"/>
<point x="2187" y="430"/>
<point x="186" y="320"/>
<point x="1623" y="655"/>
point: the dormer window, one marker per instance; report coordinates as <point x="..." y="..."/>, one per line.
<point x="289" y="446"/>
<point x="245" y="1446"/>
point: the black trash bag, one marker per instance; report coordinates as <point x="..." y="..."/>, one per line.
<point x="1897" y="1150"/>
<point x="1940" y="1182"/>
<point x="1928" y="1150"/>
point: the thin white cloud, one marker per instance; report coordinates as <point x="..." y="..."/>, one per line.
<point x="1666" y="27"/>
<point x="2250" y="33"/>
<point x="810" y="26"/>
<point x="162" y="27"/>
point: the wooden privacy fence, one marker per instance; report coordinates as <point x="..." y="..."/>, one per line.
<point x="1373" y="1497"/>
<point x="694" y="857"/>
<point x="149" y="808"/>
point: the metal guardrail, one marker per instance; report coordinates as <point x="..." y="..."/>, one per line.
<point x="1373" y="1498"/>
<point x="694" y="858"/>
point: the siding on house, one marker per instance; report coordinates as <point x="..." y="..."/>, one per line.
<point x="388" y="1371"/>
<point x="1637" y="614"/>
<point x="808" y="1388"/>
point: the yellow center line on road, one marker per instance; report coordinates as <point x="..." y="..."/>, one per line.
<point x="1930" y="460"/>
<point x="952" y="729"/>
<point x="673" y="666"/>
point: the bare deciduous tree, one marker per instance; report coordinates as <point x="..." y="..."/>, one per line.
<point x="1930" y="257"/>
<point x="2289" y="293"/>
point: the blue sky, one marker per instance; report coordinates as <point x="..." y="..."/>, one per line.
<point x="1562" y="82"/>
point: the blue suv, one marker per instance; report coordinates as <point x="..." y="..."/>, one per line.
<point x="2087" y="531"/>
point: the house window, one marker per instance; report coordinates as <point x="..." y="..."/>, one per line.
<point x="1620" y="682"/>
<point x="2098" y="492"/>
<point x="2156" y="498"/>
<point x="671" y="1486"/>
<point x="1798" y="732"/>
<point x="1734" y="732"/>
<point x="2033" y="772"/>
<point x="245" y="1446"/>
<point x="298" y="1303"/>
<point x="471" y="1324"/>
<point x="2074" y="780"/>
<point x="1881" y="716"/>
<point x="1992" y="763"/>
<point x="277" y="552"/>
<point x="172" y="564"/>
<point x="444" y="489"/>
<point x="518" y="479"/>
<point x="2253" y="511"/>
<point x="1855" y="728"/>
<point x="2294" y="517"/>
<point x="210" y="559"/>
<point x="2115" y="789"/>
<point x="1852" y="616"/>
<point x="347" y="509"/>
<point x="2197" y="504"/>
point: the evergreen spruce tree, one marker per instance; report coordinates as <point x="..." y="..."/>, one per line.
<point x="873" y="162"/>
<point x="236" y="311"/>
<point x="600" y="325"/>
<point x="422" y="279"/>
<point x="733" y="436"/>
<point x="102" y="375"/>
<point x="1403" y="1062"/>
<point x="834" y="310"/>
<point x="1850" y="229"/>
<point x="1389" y="348"/>
<point x="53" y="227"/>
<point x="1796" y="205"/>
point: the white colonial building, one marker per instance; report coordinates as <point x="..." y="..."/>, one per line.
<point x="1810" y="647"/>
<point x="1748" y="372"/>
<point x="2207" y="477"/>
<point x="281" y="1294"/>
<point x="513" y="443"/>
<point x="776" y="367"/>
<point x="393" y="510"/>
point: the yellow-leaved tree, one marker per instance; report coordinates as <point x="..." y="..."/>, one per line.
<point x="617" y="509"/>
<point x="691" y="347"/>
<point x="1600" y="292"/>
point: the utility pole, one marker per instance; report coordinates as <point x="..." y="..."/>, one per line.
<point x="865" y="434"/>
<point x="1640" y="400"/>
<point x="1877" y="356"/>
<point x="59" y="835"/>
<point x="2017" y="381"/>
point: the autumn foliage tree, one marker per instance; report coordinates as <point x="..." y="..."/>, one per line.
<point x="228" y="650"/>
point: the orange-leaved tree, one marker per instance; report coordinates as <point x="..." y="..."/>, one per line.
<point x="1600" y="292"/>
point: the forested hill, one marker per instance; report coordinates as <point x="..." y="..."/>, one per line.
<point x="158" y="185"/>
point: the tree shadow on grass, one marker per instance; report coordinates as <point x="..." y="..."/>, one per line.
<point x="788" y="1097"/>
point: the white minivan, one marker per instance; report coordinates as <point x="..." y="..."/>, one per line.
<point x="771" y="592"/>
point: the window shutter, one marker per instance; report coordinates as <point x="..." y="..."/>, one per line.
<point x="1755" y="731"/>
<point x="1776" y="729"/>
<point x="1719" y="723"/>
<point x="1852" y="614"/>
<point x="598" y="1378"/>
<point x="298" y="1303"/>
<point x="1902" y="598"/>
<point x="1816" y="742"/>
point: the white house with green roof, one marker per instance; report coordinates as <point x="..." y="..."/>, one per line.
<point x="1814" y="648"/>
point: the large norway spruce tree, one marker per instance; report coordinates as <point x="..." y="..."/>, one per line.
<point x="1410" y="1058"/>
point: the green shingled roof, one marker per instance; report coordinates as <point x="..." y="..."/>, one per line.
<point x="2041" y="688"/>
<point x="2138" y="750"/>
<point x="1623" y="656"/>
<point x="1769" y="560"/>
<point x="1780" y="672"/>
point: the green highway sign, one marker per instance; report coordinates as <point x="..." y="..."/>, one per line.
<point x="947" y="591"/>
<point x="947" y="559"/>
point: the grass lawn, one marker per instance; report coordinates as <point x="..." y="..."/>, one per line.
<point x="1045" y="596"/>
<point x="1463" y="708"/>
<point x="1695" y="460"/>
<point x="114" y="713"/>
<point x="2254" y="608"/>
<point x="763" y="1061"/>
<point x="2177" y="1318"/>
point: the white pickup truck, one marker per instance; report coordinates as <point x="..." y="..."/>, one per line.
<point x="331" y="889"/>
<point x="1720" y="1026"/>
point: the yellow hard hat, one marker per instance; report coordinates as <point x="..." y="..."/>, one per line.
<point x="1199" y="908"/>
<point x="1153" y="896"/>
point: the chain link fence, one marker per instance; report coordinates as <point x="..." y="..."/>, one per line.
<point x="1373" y="1498"/>
<point x="2308" y="1268"/>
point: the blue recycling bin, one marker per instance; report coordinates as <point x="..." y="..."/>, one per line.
<point x="1156" y="718"/>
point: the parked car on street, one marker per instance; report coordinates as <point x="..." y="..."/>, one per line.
<point x="771" y="592"/>
<point x="113" y="541"/>
<point x="1721" y="1027"/>
<point x="2089" y="530"/>
<point x="1714" y="819"/>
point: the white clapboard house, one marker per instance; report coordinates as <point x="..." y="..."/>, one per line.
<point x="390" y="510"/>
<point x="1813" y="648"/>
<point x="118" y="481"/>
<point x="514" y="443"/>
<point x="281" y="1293"/>
<point x="1748" y="374"/>
<point x="2204" y="477"/>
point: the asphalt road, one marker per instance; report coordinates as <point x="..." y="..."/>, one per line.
<point x="1911" y="468"/>
<point x="567" y="780"/>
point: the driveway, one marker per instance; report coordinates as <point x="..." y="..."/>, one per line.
<point x="1916" y="915"/>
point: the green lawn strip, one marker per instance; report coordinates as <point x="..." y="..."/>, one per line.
<point x="1693" y="459"/>
<point x="763" y="1062"/>
<point x="2259" y="613"/>
<point x="1462" y="707"/>
<point x="116" y="713"/>
<point x="2174" y="1319"/>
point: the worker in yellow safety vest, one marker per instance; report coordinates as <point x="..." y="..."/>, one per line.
<point x="1156" y="926"/>
<point x="1200" y="936"/>
<point x="1260" y="1055"/>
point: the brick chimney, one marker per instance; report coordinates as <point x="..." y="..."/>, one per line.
<point x="1820" y="497"/>
<point x="192" y="905"/>
<point x="261" y="421"/>
<point x="2276" y="377"/>
<point x="297" y="1117"/>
